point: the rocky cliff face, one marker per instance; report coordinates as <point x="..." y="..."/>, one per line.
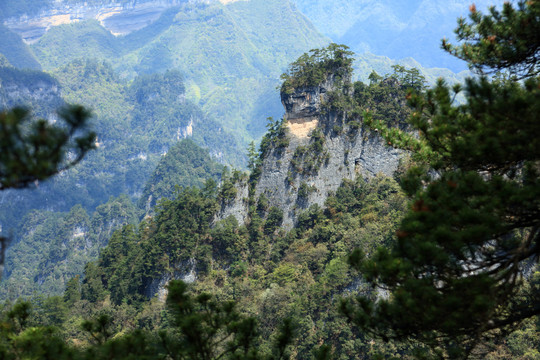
<point x="323" y="149"/>
<point x="33" y="89"/>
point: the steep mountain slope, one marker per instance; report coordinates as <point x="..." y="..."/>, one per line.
<point x="303" y="160"/>
<point x="314" y="150"/>
<point x="65" y="43"/>
<point x="276" y="240"/>
<point x="184" y="165"/>
<point x="137" y="123"/>
<point x="231" y="54"/>
<point x="52" y="248"/>
<point x="32" y="88"/>
<point x="16" y="51"/>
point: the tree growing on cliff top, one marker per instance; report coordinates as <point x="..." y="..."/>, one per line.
<point x="456" y="270"/>
<point x="311" y="69"/>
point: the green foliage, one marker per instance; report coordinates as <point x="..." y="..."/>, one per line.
<point x="313" y="68"/>
<point x="72" y="294"/>
<point x="56" y="246"/>
<point x="35" y="150"/>
<point x="15" y="50"/>
<point x="227" y="191"/>
<point x="502" y="40"/>
<point x="273" y="220"/>
<point x="208" y="329"/>
<point x="184" y="165"/>
<point x="304" y="190"/>
<point x="87" y="39"/>
<point x="275" y="137"/>
<point x="308" y="159"/>
<point x="266" y="271"/>
<point x="253" y="157"/>
<point x="409" y="79"/>
<point x="472" y="227"/>
<point x="384" y="97"/>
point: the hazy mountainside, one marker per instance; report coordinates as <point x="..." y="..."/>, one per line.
<point x="232" y="55"/>
<point x="143" y="111"/>
<point x="299" y="220"/>
<point x="16" y="51"/>
<point x="32" y="88"/>
<point x="52" y="247"/>
<point x="118" y="16"/>
<point x="12" y="8"/>
<point x="366" y="63"/>
<point x="235" y="49"/>
<point x="138" y="122"/>
<point x="184" y="165"/>
<point x="393" y="28"/>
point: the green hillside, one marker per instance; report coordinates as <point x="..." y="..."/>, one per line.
<point x="137" y="122"/>
<point x="86" y="39"/>
<point x="16" y="51"/>
<point x="231" y="55"/>
<point x="127" y="150"/>
<point x="56" y="246"/>
<point x="381" y="217"/>
<point x="184" y="165"/>
<point x="53" y="247"/>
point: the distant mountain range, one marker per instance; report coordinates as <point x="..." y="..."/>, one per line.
<point x="231" y="55"/>
<point x="393" y="28"/>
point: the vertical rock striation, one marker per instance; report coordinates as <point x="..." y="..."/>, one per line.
<point x="303" y="174"/>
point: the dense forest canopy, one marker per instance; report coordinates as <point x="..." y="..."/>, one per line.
<point x="473" y="234"/>
<point x="447" y="248"/>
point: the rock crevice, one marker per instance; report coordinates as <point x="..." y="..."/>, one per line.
<point x="348" y="153"/>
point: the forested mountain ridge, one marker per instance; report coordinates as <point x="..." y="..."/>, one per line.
<point x="318" y="144"/>
<point x="272" y="262"/>
<point x="278" y="273"/>
<point x="220" y="49"/>
<point x="143" y="110"/>
<point x="333" y="243"/>
<point x="138" y="123"/>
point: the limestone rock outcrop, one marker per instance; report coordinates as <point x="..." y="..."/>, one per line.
<point x="347" y="152"/>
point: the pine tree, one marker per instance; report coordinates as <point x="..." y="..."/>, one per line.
<point x="32" y="151"/>
<point x="462" y="251"/>
<point x="36" y="150"/>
